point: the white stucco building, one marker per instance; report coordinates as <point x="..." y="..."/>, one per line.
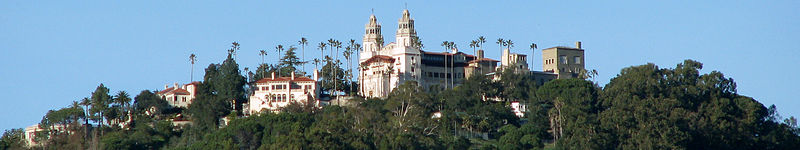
<point x="274" y="93"/>
<point x="384" y="67"/>
<point x="179" y="96"/>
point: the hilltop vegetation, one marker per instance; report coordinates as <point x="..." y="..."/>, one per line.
<point x="643" y="107"/>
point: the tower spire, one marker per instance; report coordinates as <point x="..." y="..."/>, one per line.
<point x="405" y="29"/>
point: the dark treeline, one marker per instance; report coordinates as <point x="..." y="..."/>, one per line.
<point x="643" y="107"/>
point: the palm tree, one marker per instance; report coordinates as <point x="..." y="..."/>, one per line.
<point x="481" y="40"/>
<point x="510" y="44"/>
<point x="262" y="53"/>
<point x="446" y="45"/>
<point x="234" y="48"/>
<point x="192" y="59"/>
<point x="473" y="44"/>
<point x="335" y="44"/>
<point x="348" y="56"/>
<point x="123" y="99"/>
<point x="321" y="48"/>
<point x="316" y="62"/>
<point x="303" y="42"/>
<point x="500" y="42"/>
<point x="279" y="48"/>
<point x="533" y="50"/>
<point x="452" y="65"/>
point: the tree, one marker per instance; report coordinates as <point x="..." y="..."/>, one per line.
<point x="334" y="77"/>
<point x="481" y="40"/>
<point x="145" y="100"/>
<point x="473" y="44"/>
<point x="221" y="92"/>
<point x="509" y="43"/>
<point x="574" y="112"/>
<point x="279" y="49"/>
<point x="234" y="48"/>
<point x="262" y="53"/>
<point x="533" y="50"/>
<point x="334" y="44"/>
<point x="352" y="46"/>
<point x="122" y="100"/>
<point x="500" y="42"/>
<point x="417" y="42"/>
<point x="100" y="101"/>
<point x="321" y="48"/>
<point x="289" y="63"/>
<point x="13" y="139"/>
<point x="192" y="59"/>
<point x="303" y="42"/>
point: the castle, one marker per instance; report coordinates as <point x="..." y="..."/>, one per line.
<point x="384" y="67"/>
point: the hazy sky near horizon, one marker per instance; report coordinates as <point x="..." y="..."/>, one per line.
<point x="56" y="52"/>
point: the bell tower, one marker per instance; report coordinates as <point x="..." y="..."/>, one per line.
<point x="405" y="30"/>
<point x="373" y="39"/>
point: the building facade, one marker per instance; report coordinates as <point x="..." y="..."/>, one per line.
<point x="566" y="62"/>
<point x="179" y="95"/>
<point x="384" y="67"/>
<point x="274" y="93"/>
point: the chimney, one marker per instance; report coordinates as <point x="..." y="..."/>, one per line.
<point x="455" y="50"/>
<point x="480" y="54"/>
<point x="176" y="85"/>
<point x="166" y="86"/>
<point x="316" y="75"/>
<point x="273" y="75"/>
<point x="578" y="44"/>
<point x="292" y="75"/>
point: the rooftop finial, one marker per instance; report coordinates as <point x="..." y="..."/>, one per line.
<point x="406" y="4"/>
<point x="372" y="11"/>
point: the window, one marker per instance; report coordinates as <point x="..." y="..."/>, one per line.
<point x="184" y="99"/>
<point x="577" y="59"/>
<point x="562" y="59"/>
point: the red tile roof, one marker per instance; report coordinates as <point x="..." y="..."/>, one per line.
<point x="175" y="91"/>
<point x="379" y="58"/>
<point x="278" y="79"/>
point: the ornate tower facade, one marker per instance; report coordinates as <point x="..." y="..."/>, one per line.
<point x="405" y="30"/>
<point x="373" y="40"/>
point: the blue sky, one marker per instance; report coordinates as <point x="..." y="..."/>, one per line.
<point x="57" y="52"/>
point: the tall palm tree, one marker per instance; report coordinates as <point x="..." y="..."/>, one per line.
<point x="509" y="44"/>
<point x="452" y="65"/>
<point x="316" y="62"/>
<point x="481" y="40"/>
<point x="351" y="46"/>
<point x="262" y="53"/>
<point x="447" y="46"/>
<point x="500" y="42"/>
<point x="332" y="44"/>
<point x="192" y="59"/>
<point x="303" y="42"/>
<point x="357" y="48"/>
<point x="533" y="50"/>
<point x="337" y="45"/>
<point x="279" y="48"/>
<point x="321" y="48"/>
<point x="473" y="44"/>
<point x="234" y="48"/>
